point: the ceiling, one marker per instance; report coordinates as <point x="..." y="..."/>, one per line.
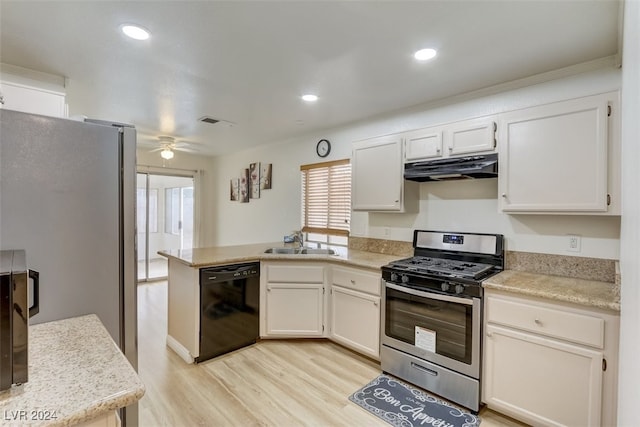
<point x="248" y="62"/>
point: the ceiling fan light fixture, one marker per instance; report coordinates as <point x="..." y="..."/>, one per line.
<point x="166" y="154"/>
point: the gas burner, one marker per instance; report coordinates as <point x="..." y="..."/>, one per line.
<point x="442" y="266"/>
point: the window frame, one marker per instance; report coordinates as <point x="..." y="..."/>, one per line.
<point x="343" y="209"/>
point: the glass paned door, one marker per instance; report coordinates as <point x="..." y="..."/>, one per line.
<point x="165" y="220"/>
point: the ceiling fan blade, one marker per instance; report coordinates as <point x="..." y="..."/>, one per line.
<point x="187" y="150"/>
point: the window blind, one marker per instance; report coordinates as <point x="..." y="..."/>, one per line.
<point x="326" y="197"/>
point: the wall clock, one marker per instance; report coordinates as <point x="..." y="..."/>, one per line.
<point x="323" y="148"/>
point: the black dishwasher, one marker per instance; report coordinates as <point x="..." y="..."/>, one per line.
<point x="229" y="308"/>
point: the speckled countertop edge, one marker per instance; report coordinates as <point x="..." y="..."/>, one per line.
<point x="570" y="289"/>
<point x="588" y="293"/>
<point x="76" y="373"/>
<point x="205" y="257"/>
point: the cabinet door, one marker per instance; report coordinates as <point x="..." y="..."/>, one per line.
<point x="471" y="136"/>
<point x="541" y="381"/>
<point x="423" y="144"/>
<point x="355" y="320"/>
<point x="32" y="100"/>
<point x="553" y="158"/>
<point x="377" y="175"/>
<point x="294" y="310"/>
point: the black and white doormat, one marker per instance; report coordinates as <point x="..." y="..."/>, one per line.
<point x="401" y="405"/>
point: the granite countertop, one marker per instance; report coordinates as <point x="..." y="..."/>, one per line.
<point x="205" y="257"/>
<point x="76" y="373"/>
<point x="589" y="293"/>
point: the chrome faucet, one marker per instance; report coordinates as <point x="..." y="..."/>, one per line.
<point x="299" y="237"/>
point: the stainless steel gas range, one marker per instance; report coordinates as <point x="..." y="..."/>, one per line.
<point x="432" y="314"/>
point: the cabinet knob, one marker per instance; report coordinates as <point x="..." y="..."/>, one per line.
<point x="489" y="334"/>
<point x="268" y="289"/>
<point x="375" y="303"/>
<point x="538" y="322"/>
<point x="438" y="150"/>
<point x="450" y="148"/>
<point x="353" y="282"/>
<point x="504" y="195"/>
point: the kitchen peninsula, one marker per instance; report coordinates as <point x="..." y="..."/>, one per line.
<point x="299" y="289"/>
<point x="77" y="375"/>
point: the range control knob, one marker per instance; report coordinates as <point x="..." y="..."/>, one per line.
<point x="405" y="279"/>
<point x="394" y="277"/>
<point x="459" y="289"/>
<point x="445" y="286"/>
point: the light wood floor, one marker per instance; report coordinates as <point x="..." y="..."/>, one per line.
<point x="271" y="383"/>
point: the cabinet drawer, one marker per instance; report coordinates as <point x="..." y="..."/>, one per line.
<point x="359" y="280"/>
<point x="570" y="326"/>
<point x="292" y="273"/>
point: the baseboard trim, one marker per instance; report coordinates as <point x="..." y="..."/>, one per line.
<point x="179" y="349"/>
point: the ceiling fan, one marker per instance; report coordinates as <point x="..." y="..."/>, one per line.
<point x="168" y="145"/>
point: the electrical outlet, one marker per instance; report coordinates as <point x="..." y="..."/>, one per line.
<point x="386" y="231"/>
<point x="575" y="243"/>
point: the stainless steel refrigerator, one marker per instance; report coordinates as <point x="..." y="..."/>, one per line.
<point x="67" y="197"/>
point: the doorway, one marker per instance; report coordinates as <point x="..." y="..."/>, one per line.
<point x="165" y="218"/>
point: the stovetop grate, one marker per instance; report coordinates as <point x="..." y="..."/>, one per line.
<point x="443" y="266"/>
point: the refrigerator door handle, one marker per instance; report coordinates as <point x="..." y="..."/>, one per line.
<point x="35" y="308"/>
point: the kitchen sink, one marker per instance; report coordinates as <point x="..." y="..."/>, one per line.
<point x="300" y="251"/>
<point x="312" y="251"/>
<point x="283" y="251"/>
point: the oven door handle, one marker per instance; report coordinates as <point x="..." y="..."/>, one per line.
<point x="429" y="295"/>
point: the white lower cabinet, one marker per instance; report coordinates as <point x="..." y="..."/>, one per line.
<point x="542" y="381"/>
<point x="355" y="309"/>
<point x="549" y="364"/>
<point x="355" y="320"/>
<point x="294" y="309"/>
<point x="292" y="303"/>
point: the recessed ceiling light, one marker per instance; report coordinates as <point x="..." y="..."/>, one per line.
<point x="309" y="97"/>
<point x="425" y="54"/>
<point x="135" y="32"/>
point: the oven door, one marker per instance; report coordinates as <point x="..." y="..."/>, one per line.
<point x="442" y="329"/>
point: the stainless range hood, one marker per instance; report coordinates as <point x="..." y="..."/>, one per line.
<point x="469" y="167"/>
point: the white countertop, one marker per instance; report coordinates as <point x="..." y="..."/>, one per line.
<point x="76" y="373"/>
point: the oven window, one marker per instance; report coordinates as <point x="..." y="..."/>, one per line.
<point x="448" y="322"/>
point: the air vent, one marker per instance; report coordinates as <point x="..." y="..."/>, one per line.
<point x="209" y="120"/>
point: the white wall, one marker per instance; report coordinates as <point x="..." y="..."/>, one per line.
<point x="206" y="211"/>
<point x="468" y="205"/>
<point x="629" y="379"/>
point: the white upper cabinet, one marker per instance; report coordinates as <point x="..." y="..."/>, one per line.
<point x="450" y="140"/>
<point x="28" y="99"/>
<point x="378" y="175"/>
<point x="472" y="136"/>
<point x="560" y="158"/>
<point x="423" y="144"/>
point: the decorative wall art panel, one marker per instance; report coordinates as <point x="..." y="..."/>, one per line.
<point x="251" y="182"/>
